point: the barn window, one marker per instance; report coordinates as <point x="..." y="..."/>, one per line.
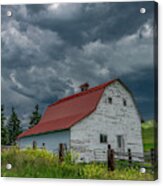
<point x="103" y="138"/>
<point x="110" y="100"/>
<point x="124" y="102"/>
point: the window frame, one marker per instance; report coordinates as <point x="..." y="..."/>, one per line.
<point x="103" y="138"/>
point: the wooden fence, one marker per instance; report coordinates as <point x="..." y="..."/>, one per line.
<point x="148" y="161"/>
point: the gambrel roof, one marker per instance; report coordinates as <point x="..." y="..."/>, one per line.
<point x="68" y="111"/>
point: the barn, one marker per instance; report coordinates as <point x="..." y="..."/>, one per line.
<point x="88" y="121"/>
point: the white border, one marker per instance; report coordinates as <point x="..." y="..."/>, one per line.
<point x="47" y="182"/>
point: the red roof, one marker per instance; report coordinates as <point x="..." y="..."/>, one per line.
<point x="66" y="112"/>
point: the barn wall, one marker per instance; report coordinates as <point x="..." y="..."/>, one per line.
<point x="51" y="140"/>
<point x="112" y="120"/>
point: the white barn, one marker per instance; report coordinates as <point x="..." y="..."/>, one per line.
<point x="88" y="121"/>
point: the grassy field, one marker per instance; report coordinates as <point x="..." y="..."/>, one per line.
<point x="148" y="135"/>
<point x="43" y="164"/>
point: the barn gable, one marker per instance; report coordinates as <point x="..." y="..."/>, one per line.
<point x="115" y="120"/>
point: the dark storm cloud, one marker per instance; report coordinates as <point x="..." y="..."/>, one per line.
<point x="35" y="9"/>
<point x="49" y="50"/>
<point x="90" y="22"/>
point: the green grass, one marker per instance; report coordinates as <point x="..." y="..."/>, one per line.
<point x="148" y="135"/>
<point x="43" y="164"/>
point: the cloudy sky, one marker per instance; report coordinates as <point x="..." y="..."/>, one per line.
<point x="49" y="50"/>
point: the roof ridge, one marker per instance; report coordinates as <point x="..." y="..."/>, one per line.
<point x="98" y="87"/>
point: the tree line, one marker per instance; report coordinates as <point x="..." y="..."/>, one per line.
<point x="11" y="127"/>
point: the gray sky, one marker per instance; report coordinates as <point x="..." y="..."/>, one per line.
<point x="49" y="50"/>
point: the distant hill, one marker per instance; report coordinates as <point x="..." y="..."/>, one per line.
<point x="148" y="134"/>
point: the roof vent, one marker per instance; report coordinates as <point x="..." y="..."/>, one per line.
<point x="84" y="87"/>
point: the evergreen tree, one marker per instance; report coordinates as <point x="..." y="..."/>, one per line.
<point x="35" y="118"/>
<point x="14" y="128"/>
<point x="4" y="131"/>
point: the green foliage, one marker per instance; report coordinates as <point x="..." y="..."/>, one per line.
<point x="35" y="118"/>
<point x="43" y="164"/>
<point x="14" y="128"/>
<point x="148" y="135"/>
<point x="4" y="131"/>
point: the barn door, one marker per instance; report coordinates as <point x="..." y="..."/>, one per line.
<point x="121" y="143"/>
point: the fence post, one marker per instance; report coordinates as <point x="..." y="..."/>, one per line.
<point x="112" y="165"/>
<point x="61" y="152"/>
<point x="34" y="145"/>
<point x="110" y="158"/>
<point x="129" y="157"/>
<point x="43" y="146"/>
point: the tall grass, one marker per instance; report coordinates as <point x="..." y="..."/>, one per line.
<point x="43" y="164"/>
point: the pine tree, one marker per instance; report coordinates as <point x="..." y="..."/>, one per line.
<point x="4" y="131"/>
<point x="35" y="118"/>
<point x="13" y="127"/>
